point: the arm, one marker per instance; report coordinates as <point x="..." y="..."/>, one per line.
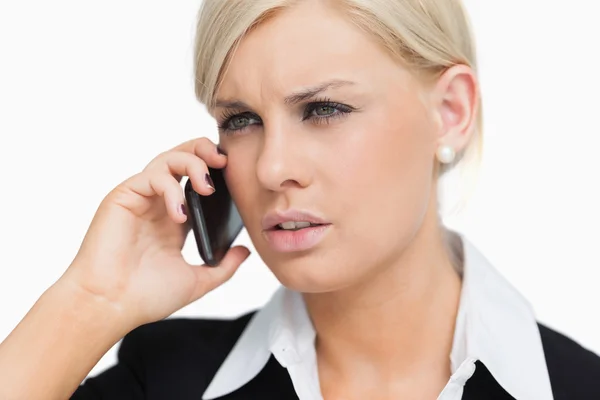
<point x="57" y="344"/>
<point x="128" y="271"/>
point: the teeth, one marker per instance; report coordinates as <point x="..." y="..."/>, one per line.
<point x="294" y="224"/>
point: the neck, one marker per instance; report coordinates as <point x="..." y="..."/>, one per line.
<point x="398" y="324"/>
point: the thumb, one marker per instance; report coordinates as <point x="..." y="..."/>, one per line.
<point x="209" y="278"/>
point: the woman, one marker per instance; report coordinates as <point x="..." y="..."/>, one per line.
<point x="340" y="113"/>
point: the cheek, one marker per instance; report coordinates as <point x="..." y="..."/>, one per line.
<point x="242" y="186"/>
<point x="385" y="184"/>
<point x="383" y="157"/>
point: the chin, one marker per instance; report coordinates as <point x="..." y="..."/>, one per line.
<point x="311" y="273"/>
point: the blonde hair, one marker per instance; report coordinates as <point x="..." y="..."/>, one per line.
<point x="427" y="36"/>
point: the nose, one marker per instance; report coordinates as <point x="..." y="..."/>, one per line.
<point x="282" y="162"/>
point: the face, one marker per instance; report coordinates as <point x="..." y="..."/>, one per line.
<point x="359" y="153"/>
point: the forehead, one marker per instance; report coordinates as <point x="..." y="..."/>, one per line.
<point x="301" y="46"/>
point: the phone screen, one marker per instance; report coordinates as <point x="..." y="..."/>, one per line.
<point x="215" y="219"/>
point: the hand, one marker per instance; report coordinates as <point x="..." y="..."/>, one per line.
<point x="131" y="254"/>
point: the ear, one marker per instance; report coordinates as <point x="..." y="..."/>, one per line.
<point x="456" y="95"/>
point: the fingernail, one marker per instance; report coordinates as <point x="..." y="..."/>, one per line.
<point x="220" y="151"/>
<point x="209" y="182"/>
<point x="182" y="209"/>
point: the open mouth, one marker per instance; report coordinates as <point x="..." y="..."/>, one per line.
<point x="294" y="227"/>
<point x="293" y="236"/>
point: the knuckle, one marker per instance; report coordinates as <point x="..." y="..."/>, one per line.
<point x="205" y="141"/>
<point x="192" y="162"/>
<point x="162" y="185"/>
<point x="160" y="158"/>
<point x="179" y="159"/>
<point x="202" y="145"/>
<point x="146" y="175"/>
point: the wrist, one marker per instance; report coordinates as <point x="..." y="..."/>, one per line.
<point x="58" y="343"/>
<point x="90" y="309"/>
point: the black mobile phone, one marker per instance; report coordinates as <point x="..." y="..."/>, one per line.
<point x="214" y="219"/>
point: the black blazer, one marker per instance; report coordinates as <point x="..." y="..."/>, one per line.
<point x="175" y="359"/>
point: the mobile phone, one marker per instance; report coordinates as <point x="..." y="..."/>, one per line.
<point x="214" y="219"/>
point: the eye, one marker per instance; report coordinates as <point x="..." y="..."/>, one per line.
<point x="233" y="121"/>
<point x="238" y="122"/>
<point x="319" y="112"/>
<point x="324" y="111"/>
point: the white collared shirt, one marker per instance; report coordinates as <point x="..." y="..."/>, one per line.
<point x="494" y="325"/>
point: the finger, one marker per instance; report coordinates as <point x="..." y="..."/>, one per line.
<point x="161" y="180"/>
<point x="179" y="164"/>
<point x="176" y="165"/>
<point x="205" y="149"/>
<point x="209" y="278"/>
<point x="167" y="187"/>
<point x="143" y="186"/>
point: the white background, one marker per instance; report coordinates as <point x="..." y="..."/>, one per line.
<point x="92" y="91"/>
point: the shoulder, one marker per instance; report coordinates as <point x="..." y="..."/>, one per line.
<point x="574" y="370"/>
<point x="186" y="331"/>
<point x="169" y="359"/>
<point x="181" y="351"/>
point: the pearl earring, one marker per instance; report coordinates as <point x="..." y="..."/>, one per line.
<point x="445" y="154"/>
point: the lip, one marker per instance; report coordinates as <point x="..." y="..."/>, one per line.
<point x="286" y="241"/>
<point x="276" y="217"/>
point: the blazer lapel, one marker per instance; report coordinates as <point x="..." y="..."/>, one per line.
<point x="273" y="382"/>
<point x="482" y="385"/>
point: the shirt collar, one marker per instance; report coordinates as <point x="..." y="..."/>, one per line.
<point x="495" y="325"/>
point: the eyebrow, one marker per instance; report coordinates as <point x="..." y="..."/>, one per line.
<point x="293" y="98"/>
